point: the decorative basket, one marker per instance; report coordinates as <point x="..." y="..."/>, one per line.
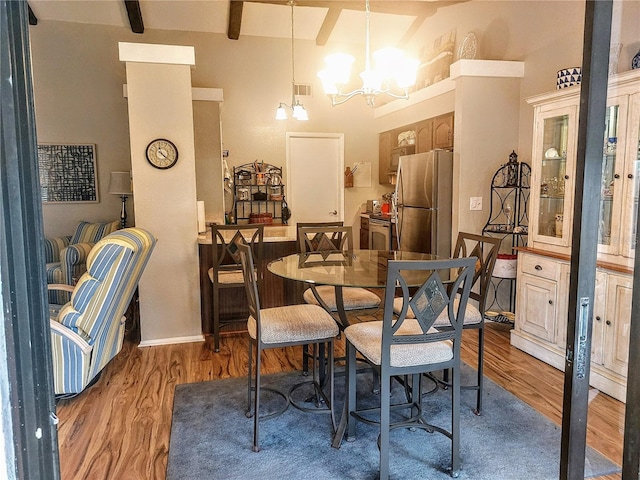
<point x="505" y="266"/>
<point x="258" y="196"/>
<point x="277" y="197"/>
<point x="266" y="218"/>
<point x="568" y="77"/>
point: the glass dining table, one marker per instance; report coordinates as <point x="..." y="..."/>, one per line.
<point x="347" y="268"/>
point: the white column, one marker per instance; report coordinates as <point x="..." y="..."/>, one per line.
<point x="160" y="106"/>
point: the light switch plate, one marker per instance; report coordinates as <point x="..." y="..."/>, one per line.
<point x="475" y="203"/>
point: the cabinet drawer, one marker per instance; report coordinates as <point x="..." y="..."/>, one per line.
<point x="540" y="266"/>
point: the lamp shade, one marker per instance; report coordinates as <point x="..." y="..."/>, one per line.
<point x="120" y="183"/>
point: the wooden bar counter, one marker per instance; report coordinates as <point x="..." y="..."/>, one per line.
<point x="279" y="241"/>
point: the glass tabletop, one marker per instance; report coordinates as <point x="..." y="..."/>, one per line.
<point x="356" y="268"/>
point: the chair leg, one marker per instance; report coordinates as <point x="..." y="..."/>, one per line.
<point x="256" y="409"/>
<point x="385" y="406"/>
<point x="478" y="410"/>
<point x="331" y="373"/>
<point x="351" y="390"/>
<point x="305" y="360"/>
<point x="249" y="411"/>
<point x="455" y="421"/>
<point x="216" y="320"/>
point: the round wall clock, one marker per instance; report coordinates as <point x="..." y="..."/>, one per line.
<point x="162" y="153"/>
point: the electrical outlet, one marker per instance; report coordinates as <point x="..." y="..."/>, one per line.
<point x="475" y="203"/>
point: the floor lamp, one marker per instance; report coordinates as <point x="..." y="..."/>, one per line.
<point x="120" y="184"/>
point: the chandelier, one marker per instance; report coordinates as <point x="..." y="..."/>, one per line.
<point x="299" y="112"/>
<point x="393" y="73"/>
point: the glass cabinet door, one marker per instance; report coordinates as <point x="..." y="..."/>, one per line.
<point x="631" y="177"/>
<point x="612" y="182"/>
<point x="555" y="151"/>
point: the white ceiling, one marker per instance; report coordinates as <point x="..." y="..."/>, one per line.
<point x="258" y="19"/>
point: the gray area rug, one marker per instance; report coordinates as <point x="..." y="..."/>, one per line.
<point x="211" y="438"/>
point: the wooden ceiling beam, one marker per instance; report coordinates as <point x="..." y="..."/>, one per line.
<point x="33" y="20"/>
<point x="329" y="23"/>
<point x="135" y="15"/>
<point x="397" y="7"/>
<point x="235" y="19"/>
<point x="413" y="28"/>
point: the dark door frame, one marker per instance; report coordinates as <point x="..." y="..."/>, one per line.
<point x="26" y="334"/>
<point x="593" y="100"/>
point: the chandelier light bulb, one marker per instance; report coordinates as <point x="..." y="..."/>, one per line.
<point x="281" y="113"/>
<point x="407" y="73"/>
<point x="299" y="112"/>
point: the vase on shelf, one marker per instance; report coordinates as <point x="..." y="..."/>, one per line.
<point x="635" y="63"/>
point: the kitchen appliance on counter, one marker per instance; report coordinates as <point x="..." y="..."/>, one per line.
<point x="423" y="199"/>
<point x="374" y="206"/>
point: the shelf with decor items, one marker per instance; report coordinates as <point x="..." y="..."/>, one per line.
<point x="509" y="221"/>
<point x="259" y="194"/>
<point x="544" y="266"/>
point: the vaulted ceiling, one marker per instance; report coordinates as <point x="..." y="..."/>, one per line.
<point x="325" y="21"/>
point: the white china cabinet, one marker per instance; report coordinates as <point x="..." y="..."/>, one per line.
<point x="543" y="267"/>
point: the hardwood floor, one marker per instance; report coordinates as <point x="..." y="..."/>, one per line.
<point x="119" y="428"/>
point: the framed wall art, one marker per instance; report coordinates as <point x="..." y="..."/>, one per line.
<point x="68" y="173"/>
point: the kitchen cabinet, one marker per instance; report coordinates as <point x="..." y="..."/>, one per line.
<point x="617" y="323"/>
<point x="394" y="237"/>
<point x="542" y="312"/>
<point x="431" y="133"/>
<point x="538" y="296"/>
<point x="364" y="233"/>
<point x="424" y="136"/>
<point x="443" y="131"/>
<point x="384" y="157"/>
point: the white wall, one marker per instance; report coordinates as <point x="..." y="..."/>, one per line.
<point x="78" y="81"/>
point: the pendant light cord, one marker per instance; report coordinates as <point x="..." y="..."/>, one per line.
<point x="293" y="66"/>
<point x="366" y="39"/>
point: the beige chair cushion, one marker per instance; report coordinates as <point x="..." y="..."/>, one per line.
<point x="294" y="324"/>
<point x="231" y="276"/>
<point x="354" y="298"/>
<point x="471" y="314"/>
<point x="367" y="338"/>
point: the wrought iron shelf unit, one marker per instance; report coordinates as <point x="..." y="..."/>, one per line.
<point x="508" y="220"/>
<point x="509" y="215"/>
<point x="258" y="194"/>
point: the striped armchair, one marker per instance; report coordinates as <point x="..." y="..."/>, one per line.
<point x="88" y="331"/>
<point x="66" y="257"/>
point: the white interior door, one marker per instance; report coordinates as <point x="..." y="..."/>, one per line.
<point x="315" y="178"/>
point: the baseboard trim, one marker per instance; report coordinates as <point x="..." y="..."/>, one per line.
<point x="171" y="341"/>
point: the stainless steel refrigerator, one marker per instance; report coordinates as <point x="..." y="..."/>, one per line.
<point x="422" y="206"/>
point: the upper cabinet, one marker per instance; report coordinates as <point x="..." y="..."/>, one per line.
<point x="554" y="165"/>
<point x="430" y="134"/>
<point x="443" y="132"/>
<point x="384" y="157"/>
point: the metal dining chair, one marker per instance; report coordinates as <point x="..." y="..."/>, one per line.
<point x="485" y="249"/>
<point x="278" y="327"/>
<point x="226" y="271"/>
<point x="327" y="238"/>
<point x="403" y="346"/>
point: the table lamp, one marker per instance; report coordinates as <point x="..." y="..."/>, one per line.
<point x="120" y="184"/>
